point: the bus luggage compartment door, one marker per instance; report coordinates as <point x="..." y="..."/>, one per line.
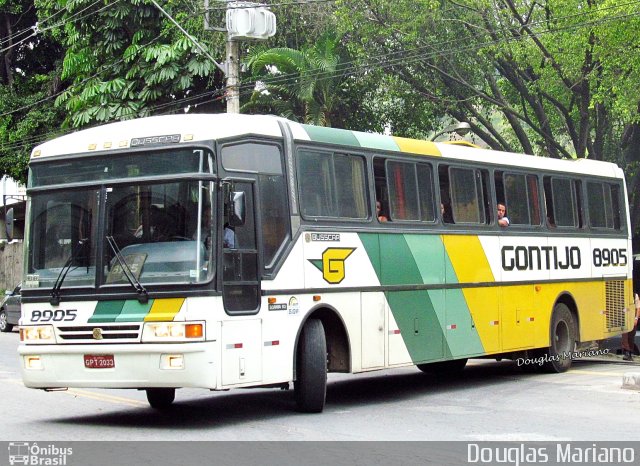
<point x="373" y="308"/>
<point x="241" y="351"/>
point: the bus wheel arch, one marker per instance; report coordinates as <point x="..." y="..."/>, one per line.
<point x="321" y="347"/>
<point x="338" y="346"/>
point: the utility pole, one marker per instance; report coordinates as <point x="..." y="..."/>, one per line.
<point x="233" y="76"/>
<point x="244" y="20"/>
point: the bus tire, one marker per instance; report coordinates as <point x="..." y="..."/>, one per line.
<point x="452" y="367"/>
<point x="562" y="337"/>
<point x="160" y="398"/>
<point x="310" y="385"/>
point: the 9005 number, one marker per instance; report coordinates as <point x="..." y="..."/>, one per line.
<point x="609" y="257"/>
<point x="59" y="315"/>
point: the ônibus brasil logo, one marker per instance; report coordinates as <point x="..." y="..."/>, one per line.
<point x="332" y="264"/>
<point x="33" y="454"/>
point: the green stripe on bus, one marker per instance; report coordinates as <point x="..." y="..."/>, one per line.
<point x="377" y="141"/>
<point x="413" y="311"/>
<point x="434" y="324"/>
<point x="107" y="311"/>
<point x="133" y="311"/>
<point x="331" y="135"/>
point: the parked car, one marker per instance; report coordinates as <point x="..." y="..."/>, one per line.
<point x="10" y="309"/>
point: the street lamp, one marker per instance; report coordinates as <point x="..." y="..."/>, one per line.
<point x="462" y="128"/>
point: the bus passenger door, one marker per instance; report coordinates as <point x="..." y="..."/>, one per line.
<point x="241" y="338"/>
<point x="240" y="271"/>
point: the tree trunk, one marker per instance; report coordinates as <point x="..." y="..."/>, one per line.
<point x="630" y="145"/>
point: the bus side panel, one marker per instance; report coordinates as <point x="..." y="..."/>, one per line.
<point x="469" y="267"/>
<point x="434" y="324"/>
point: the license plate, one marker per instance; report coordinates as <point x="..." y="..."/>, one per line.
<point x="99" y="361"/>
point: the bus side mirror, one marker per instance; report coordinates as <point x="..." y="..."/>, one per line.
<point x="237" y="207"/>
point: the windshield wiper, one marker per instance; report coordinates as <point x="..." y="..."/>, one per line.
<point x="55" y="291"/>
<point x="143" y="295"/>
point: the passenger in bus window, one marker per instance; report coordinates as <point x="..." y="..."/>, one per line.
<point x="445" y="212"/>
<point x="503" y="220"/>
<point x="379" y="214"/>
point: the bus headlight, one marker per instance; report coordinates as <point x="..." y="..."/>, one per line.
<point x="173" y="331"/>
<point x="37" y="334"/>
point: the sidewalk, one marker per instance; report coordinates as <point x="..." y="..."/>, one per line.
<point x="613" y="357"/>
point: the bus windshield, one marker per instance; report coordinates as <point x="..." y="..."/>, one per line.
<point x="163" y="231"/>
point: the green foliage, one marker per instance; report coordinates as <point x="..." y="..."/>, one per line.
<point x="301" y="84"/>
<point x="28" y="79"/>
<point x="135" y="63"/>
<point x="19" y="131"/>
<point x="554" y="78"/>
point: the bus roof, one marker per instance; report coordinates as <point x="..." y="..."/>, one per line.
<point x="201" y="127"/>
<point x="190" y="127"/>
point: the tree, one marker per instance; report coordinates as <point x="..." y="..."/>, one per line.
<point x="541" y="77"/>
<point x="303" y="83"/>
<point x="29" y="78"/>
<point x="129" y="61"/>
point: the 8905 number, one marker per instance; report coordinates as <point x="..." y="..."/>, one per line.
<point x="59" y="315"/>
<point x="609" y="257"/>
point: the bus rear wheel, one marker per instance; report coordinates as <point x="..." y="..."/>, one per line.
<point x="443" y="367"/>
<point x="311" y="368"/>
<point x="160" y="398"/>
<point x="562" y="333"/>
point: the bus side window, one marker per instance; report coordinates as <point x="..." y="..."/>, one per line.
<point x="563" y="198"/>
<point x="603" y="205"/>
<point x="332" y="185"/>
<point x="445" y="199"/>
<point x="380" y="182"/>
<point x="520" y="195"/>
<point x="468" y="195"/>
<point x="548" y="202"/>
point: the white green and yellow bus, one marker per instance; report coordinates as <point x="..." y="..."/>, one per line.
<point x="224" y="251"/>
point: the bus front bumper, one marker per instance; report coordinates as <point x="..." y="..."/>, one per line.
<point x="134" y="366"/>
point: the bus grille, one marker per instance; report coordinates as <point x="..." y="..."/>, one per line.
<point x="615" y="311"/>
<point x="107" y="333"/>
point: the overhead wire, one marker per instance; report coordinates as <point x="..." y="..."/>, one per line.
<point x="417" y="54"/>
<point x="396" y="57"/>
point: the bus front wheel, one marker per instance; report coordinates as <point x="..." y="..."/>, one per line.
<point x="311" y="368"/>
<point x="562" y="333"/>
<point x="160" y="398"/>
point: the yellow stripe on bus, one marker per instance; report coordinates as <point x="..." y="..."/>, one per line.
<point x="470" y="265"/>
<point x="468" y="259"/>
<point x="414" y="146"/>
<point x="164" y="309"/>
